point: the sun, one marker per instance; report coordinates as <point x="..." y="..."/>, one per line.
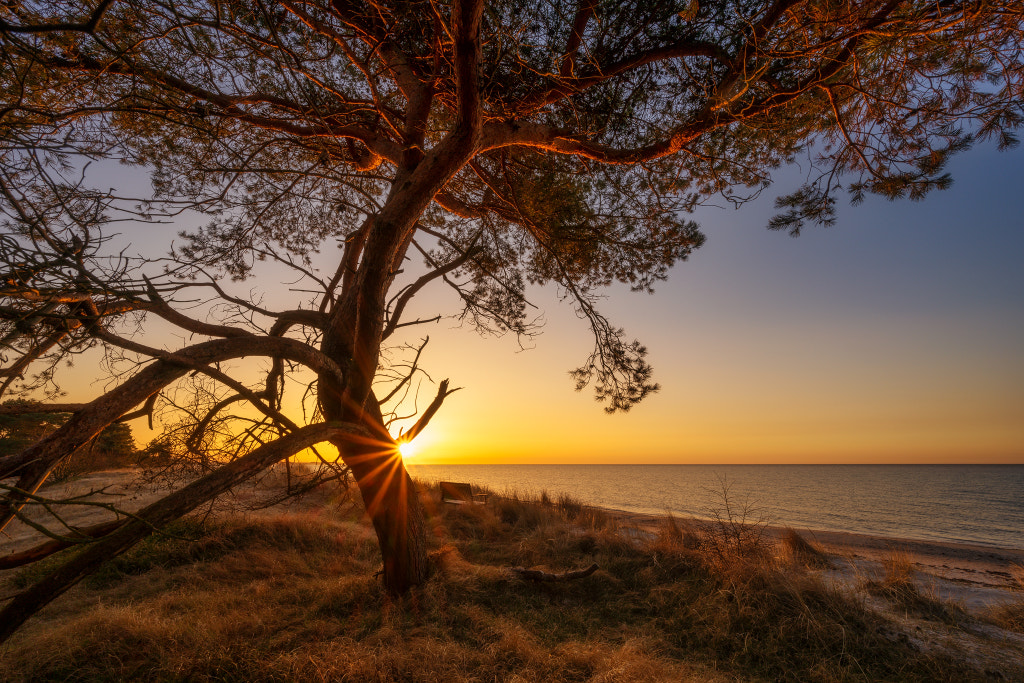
<point x="406" y="449"/>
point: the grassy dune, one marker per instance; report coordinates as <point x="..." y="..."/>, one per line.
<point x="292" y="596"/>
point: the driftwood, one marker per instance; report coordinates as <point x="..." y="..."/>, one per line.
<point x="538" y="575"/>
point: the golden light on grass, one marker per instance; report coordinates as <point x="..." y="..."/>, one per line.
<point x="735" y="607"/>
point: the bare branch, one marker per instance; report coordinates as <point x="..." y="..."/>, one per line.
<point x="159" y="514"/>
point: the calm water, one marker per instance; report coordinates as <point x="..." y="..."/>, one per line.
<point x="981" y="504"/>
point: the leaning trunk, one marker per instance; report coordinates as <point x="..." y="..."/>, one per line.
<point x="353" y="337"/>
<point x="393" y="504"/>
<point x="389" y="495"/>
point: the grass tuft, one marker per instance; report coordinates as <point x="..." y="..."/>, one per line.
<point x="1009" y="617"/>
<point x="801" y="551"/>
<point x="899" y="586"/>
<point x="1017" y="574"/>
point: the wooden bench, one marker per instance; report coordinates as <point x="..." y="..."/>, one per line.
<point x="458" y="493"/>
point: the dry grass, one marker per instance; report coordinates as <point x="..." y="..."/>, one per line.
<point x="1017" y="574"/>
<point x="1009" y="617"/>
<point x="798" y="550"/>
<point x="900" y="587"/>
<point x="292" y="598"/>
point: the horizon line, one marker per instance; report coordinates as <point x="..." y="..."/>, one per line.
<point x="412" y="461"/>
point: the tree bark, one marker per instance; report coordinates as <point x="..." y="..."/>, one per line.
<point x="389" y="494"/>
<point x="352" y="339"/>
<point x="393" y="504"/>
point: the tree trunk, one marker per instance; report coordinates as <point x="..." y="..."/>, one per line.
<point x="392" y="501"/>
<point x="389" y="495"/>
<point x="353" y="337"/>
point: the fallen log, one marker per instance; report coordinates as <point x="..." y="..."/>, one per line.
<point x="538" y="575"/>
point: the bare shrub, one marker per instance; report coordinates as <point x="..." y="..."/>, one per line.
<point x="737" y="527"/>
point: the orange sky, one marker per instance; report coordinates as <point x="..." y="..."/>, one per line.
<point x="765" y="406"/>
<point x="895" y="336"/>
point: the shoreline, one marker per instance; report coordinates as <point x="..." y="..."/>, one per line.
<point x="975" y="576"/>
<point x="972" y="506"/>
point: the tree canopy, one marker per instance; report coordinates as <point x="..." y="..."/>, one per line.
<point x="500" y="144"/>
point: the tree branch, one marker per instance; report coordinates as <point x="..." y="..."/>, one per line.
<point x="159" y="514"/>
<point x="89" y="26"/>
<point x="466" y="16"/>
<point x="423" y="281"/>
<point x="435" y="405"/>
<point x="48" y="548"/>
<point x="35" y="463"/>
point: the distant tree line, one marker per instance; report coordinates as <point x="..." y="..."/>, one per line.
<point x="113" y="447"/>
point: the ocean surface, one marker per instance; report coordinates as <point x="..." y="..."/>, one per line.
<point x="978" y="504"/>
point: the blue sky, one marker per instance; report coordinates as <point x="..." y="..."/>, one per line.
<point x="896" y="335"/>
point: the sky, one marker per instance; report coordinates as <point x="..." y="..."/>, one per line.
<point x="896" y="335"/>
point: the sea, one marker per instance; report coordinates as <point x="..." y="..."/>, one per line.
<point x="975" y="504"/>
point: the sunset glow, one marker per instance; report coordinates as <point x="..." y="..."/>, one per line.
<point x="887" y="338"/>
<point x="875" y="341"/>
<point x="445" y="323"/>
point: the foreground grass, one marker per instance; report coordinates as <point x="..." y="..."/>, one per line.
<point x="292" y="597"/>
